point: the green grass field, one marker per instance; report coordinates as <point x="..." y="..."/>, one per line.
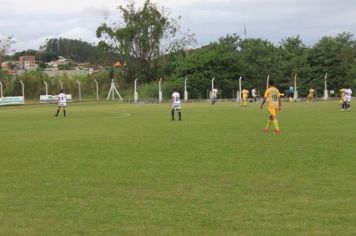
<point x="117" y="169"/>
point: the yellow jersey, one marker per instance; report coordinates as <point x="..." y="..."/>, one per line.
<point x="272" y="95"/>
<point x="311" y="91"/>
<point x="245" y="93"/>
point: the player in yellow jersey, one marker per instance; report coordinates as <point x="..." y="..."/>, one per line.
<point x="310" y="96"/>
<point x="342" y="95"/>
<point x="244" y="93"/>
<point x="273" y="97"/>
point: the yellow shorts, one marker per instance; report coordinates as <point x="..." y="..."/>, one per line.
<point x="272" y="111"/>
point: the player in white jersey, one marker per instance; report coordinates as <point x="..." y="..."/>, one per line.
<point x="214" y="96"/>
<point x="176" y="105"/>
<point x="347" y="99"/>
<point x="254" y="94"/>
<point x="62" y="102"/>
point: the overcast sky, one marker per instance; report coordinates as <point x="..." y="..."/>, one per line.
<point x="32" y="21"/>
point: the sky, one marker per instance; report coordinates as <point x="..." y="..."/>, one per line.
<point x="31" y="22"/>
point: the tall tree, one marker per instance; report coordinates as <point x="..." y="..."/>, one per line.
<point x="293" y="59"/>
<point x="74" y="49"/>
<point x="6" y="44"/>
<point x="335" y="56"/>
<point x="146" y="34"/>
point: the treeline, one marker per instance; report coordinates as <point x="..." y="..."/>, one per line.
<point x="254" y="59"/>
<point x="225" y="60"/>
<point x="76" y="50"/>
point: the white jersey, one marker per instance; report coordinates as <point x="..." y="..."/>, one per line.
<point x="254" y="93"/>
<point x="62" y="100"/>
<point x="347" y="95"/>
<point x="176" y="98"/>
<point x="215" y="93"/>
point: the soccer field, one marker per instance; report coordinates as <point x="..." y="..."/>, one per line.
<point x="118" y="169"/>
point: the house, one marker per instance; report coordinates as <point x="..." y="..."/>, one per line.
<point x="11" y="67"/>
<point x="28" y="62"/>
<point x="54" y="65"/>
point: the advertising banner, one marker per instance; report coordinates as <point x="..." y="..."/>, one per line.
<point x="12" y="101"/>
<point x="53" y="98"/>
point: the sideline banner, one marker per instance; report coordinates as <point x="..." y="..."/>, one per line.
<point x="12" y="101"/>
<point x="53" y="98"/>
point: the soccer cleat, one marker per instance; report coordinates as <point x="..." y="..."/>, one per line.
<point x="265" y="130"/>
<point x="277" y="131"/>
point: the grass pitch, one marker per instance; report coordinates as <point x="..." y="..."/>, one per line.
<point x="114" y="169"/>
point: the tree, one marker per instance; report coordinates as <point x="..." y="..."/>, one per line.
<point x="293" y="60"/>
<point x="147" y="33"/>
<point x="5" y="46"/>
<point x="335" y="56"/>
<point x="259" y="58"/>
<point x="219" y="59"/>
<point x="76" y="50"/>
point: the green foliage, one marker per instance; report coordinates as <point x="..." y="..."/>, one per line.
<point x="254" y="59"/>
<point x="6" y="44"/>
<point x="76" y="50"/>
<point x="140" y="39"/>
<point x="29" y="52"/>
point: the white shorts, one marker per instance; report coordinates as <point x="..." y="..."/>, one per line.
<point x="62" y="104"/>
<point x="176" y="106"/>
<point x="347" y="99"/>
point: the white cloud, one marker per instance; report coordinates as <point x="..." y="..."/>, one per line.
<point x="33" y="21"/>
<point x="79" y="33"/>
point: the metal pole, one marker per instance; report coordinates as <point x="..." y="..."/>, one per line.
<point x="160" y="91"/>
<point x="46" y="87"/>
<point x="212" y="88"/>
<point x="23" y="91"/>
<point x="80" y="92"/>
<point x="1" y="94"/>
<point x="113" y="90"/>
<point x="97" y="89"/>
<point x="135" y="91"/>
<point x="267" y="82"/>
<point x="61" y="83"/>
<point x="185" y="90"/>
<point x="240" y="88"/>
<point x="295" y="88"/>
<point x="326" y="87"/>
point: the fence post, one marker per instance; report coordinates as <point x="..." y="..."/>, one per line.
<point x="80" y="92"/>
<point x="1" y="94"/>
<point x="97" y="89"/>
<point x="23" y="90"/>
<point x="46" y="87"/>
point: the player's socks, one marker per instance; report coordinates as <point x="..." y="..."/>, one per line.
<point x="180" y="115"/>
<point x="57" y="112"/>
<point x="276" y="125"/>
<point x="172" y="112"/>
<point x="64" y="112"/>
<point x="268" y="123"/>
